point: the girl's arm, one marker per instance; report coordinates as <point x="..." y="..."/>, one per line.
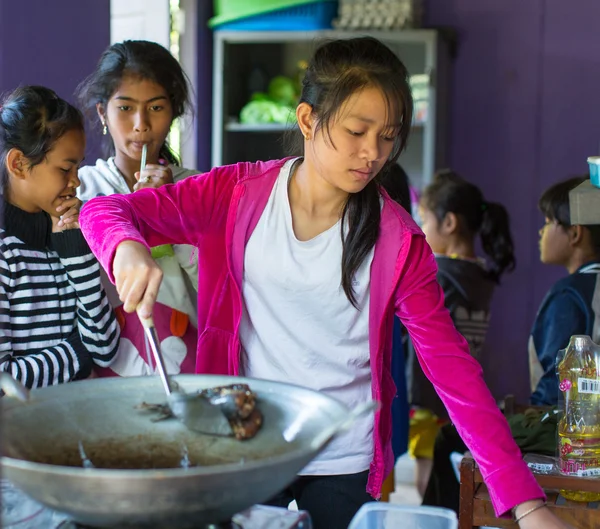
<point x="458" y="379"/>
<point x="97" y="324"/>
<point x="173" y="214"/>
<point x="63" y="362"/>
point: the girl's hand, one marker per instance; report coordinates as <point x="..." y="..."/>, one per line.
<point x="153" y="176"/>
<point x="540" y="519"/>
<point x="69" y="215"/>
<point x="137" y="277"/>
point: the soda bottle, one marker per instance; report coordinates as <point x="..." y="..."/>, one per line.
<point x="579" y="426"/>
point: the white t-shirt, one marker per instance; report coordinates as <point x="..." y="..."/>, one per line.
<point x="298" y="326"/>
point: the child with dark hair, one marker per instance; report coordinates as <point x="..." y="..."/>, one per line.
<point x="56" y="322"/>
<point x="572" y="306"/>
<point x="136" y="92"/>
<point x="304" y="263"/>
<point x="569" y="308"/>
<point x="453" y="214"/>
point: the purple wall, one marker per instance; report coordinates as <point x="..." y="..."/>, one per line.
<point x="525" y="113"/>
<point x="55" y="44"/>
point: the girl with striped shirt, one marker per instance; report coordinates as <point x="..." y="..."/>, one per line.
<point x="56" y="323"/>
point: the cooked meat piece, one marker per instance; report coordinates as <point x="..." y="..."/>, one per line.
<point x="236" y="401"/>
<point x="248" y="427"/>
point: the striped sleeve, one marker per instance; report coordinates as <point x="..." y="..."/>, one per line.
<point x="62" y="362"/>
<point x="96" y="321"/>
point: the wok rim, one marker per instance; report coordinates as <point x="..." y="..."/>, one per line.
<point x="50" y="470"/>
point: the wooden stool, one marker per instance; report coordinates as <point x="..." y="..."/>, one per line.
<point x="476" y="507"/>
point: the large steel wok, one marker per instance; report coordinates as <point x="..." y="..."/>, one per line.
<point x="100" y="417"/>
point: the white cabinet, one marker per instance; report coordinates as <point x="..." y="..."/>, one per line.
<point x="239" y="53"/>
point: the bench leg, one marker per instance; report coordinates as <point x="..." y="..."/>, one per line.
<point x="467" y="492"/>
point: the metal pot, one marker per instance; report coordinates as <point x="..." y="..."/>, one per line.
<point x="100" y="417"/>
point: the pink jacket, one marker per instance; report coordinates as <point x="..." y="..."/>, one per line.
<point x="217" y="212"/>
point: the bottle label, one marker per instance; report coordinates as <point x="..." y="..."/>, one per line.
<point x="578" y="467"/>
<point x="588" y="385"/>
<point x="589" y="473"/>
<point x="541" y="467"/>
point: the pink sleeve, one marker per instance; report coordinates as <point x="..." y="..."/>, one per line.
<point x="458" y="379"/>
<point x="172" y="214"/>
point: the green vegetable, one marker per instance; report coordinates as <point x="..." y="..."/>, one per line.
<point x="259" y="96"/>
<point x="259" y="112"/>
<point x="283" y="90"/>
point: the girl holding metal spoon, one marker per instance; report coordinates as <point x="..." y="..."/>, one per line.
<point x="305" y="262"/>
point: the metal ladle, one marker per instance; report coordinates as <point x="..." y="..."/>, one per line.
<point x="197" y="412"/>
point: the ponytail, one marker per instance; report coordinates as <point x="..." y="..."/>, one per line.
<point x="496" y="239"/>
<point x="451" y="193"/>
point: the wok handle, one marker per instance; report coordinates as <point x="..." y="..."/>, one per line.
<point x="150" y="330"/>
<point x="12" y="387"/>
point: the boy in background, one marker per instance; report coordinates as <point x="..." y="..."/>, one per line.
<point x="572" y="306"/>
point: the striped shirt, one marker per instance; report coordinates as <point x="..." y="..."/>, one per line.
<point x="55" y="319"/>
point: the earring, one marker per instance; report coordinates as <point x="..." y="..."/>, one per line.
<point x="104" y="128"/>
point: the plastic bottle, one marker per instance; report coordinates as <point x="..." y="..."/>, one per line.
<point x="579" y="427"/>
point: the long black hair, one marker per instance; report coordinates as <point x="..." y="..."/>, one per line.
<point x="397" y="185"/>
<point x="141" y="59"/>
<point x="32" y="120"/>
<point x="337" y="70"/>
<point x="450" y="193"/>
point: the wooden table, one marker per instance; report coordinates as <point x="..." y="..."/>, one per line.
<point x="476" y="508"/>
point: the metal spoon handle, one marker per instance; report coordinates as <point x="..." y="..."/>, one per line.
<point x="150" y="330"/>
<point x="144" y="154"/>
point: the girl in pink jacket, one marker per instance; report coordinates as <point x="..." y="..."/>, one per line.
<point x="304" y="263"/>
